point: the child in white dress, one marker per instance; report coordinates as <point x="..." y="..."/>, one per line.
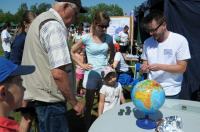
<point x="111" y="92"/>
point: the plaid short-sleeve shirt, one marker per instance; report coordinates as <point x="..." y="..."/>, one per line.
<point x="53" y="36"/>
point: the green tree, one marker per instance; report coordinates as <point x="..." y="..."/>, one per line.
<point x="37" y="9"/>
<point x="115" y="10"/>
<point x="18" y="16"/>
<point x="1" y="15"/>
<point x="6" y="17"/>
<point x="112" y="10"/>
<point x="34" y="9"/>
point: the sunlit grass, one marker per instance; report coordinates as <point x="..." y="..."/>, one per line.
<point x="1" y="50"/>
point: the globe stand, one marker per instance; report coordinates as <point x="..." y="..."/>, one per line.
<point x="146" y="123"/>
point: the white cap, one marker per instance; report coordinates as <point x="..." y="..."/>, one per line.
<point x="107" y="70"/>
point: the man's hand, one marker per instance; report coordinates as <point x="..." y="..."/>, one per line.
<point x="155" y="67"/>
<point x="79" y="108"/>
<point x="180" y="67"/>
<point x="145" y="68"/>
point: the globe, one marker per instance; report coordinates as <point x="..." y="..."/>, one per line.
<point x="148" y="96"/>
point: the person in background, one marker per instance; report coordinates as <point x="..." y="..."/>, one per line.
<point x="124" y="39"/>
<point x="71" y="32"/>
<point x="81" y="55"/>
<point x="46" y="47"/>
<point x="80" y="72"/>
<point x="18" y="43"/>
<point x="99" y="46"/>
<point x="78" y="34"/>
<point x="17" y="48"/>
<point x="111" y="92"/>
<point x="165" y="54"/>
<point x="119" y="61"/>
<point x="11" y="93"/>
<point x="6" y="39"/>
<point x="87" y="28"/>
<point x="124" y="74"/>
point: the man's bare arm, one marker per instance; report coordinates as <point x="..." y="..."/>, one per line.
<point x="61" y="78"/>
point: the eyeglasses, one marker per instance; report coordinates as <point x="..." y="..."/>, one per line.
<point x="155" y="29"/>
<point x="103" y="26"/>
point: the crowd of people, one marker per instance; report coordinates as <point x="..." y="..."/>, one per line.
<point x="42" y="55"/>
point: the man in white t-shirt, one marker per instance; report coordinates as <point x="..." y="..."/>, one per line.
<point x="124" y="39"/>
<point x="165" y="54"/>
<point x="6" y="40"/>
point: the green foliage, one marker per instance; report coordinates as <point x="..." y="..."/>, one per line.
<point x="37" y="9"/>
<point x="6" y="17"/>
<point x="1" y="50"/>
<point x="17" y="17"/>
<point x="112" y="10"/>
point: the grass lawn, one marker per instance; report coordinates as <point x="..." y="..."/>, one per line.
<point x="1" y="50"/>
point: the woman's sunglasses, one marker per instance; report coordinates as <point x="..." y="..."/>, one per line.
<point x="103" y="26"/>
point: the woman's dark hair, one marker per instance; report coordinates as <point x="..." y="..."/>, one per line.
<point x="156" y="15"/>
<point x="27" y="18"/>
<point x="108" y="77"/>
<point x="6" y="25"/>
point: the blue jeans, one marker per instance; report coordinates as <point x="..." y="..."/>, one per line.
<point x="52" y="118"/>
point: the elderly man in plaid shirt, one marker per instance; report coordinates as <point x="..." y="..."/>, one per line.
<point x="46" y="47"/>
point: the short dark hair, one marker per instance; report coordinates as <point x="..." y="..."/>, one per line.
<point x="27" y="18"/>
<point x="6" y="25"/>
<point x="108" y="77"/>
<point x="126" y="27"/>
<point x="156" y="15"/>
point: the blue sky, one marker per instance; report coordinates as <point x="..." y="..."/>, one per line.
<point x="126" y="5"/>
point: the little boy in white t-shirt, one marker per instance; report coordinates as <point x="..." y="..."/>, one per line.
<point x="111" y="92"/>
